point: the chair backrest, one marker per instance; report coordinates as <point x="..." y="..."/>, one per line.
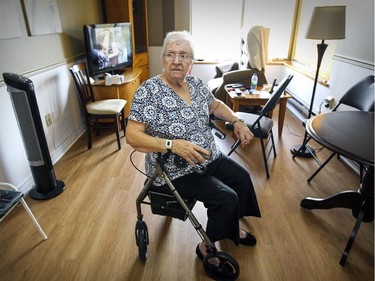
<point x="360" y="96"/>
<point x="82" y="81"/>
<point x="272" y="102"/>
<point x="241" y="77"/>
<point x="274" y="99"/>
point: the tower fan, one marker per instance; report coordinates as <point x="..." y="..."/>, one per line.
<point x="21" y="91"/>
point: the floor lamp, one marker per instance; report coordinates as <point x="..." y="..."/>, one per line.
<point x="327" y="23"/>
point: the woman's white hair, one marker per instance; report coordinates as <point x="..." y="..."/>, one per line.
<point x="175" y="36"/>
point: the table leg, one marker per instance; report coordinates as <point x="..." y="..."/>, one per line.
<point x="346" y="199"/>
<point x="361" y="202"/>
<point x="235" y="106"/>
<point x="349" y="245"/>
<point x="228" y="101"/>
<point x="349" y="199"/>
<point x="367" y="191"/>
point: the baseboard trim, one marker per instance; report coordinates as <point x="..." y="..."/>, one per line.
<point x="28" y="183"/>
<point x="297" y="108"/>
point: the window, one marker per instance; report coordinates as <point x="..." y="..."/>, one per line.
<point x="218" y="27"/>
<point x="305" y="50"/>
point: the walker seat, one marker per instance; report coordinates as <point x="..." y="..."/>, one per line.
<point x="167" y="205"/>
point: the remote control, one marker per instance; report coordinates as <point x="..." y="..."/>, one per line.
<point x="238" y="92"/>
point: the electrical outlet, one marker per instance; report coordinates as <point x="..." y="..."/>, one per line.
<point x="48" y="118"/>
<point x="328" y="102"/>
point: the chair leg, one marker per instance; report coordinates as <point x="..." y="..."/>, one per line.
<point x="264" y="157"/>
<point x="117" y="131"/>
<point x="321" y="167"/>
<point x="33" y="219"/>
<point x="27" y="209"/>
<point x="96" y="125"/>
<point x="123" y="121"/>
<point x="89" y="140"/>
<point x="273" y="145"/>
<point x="233" y="147"/>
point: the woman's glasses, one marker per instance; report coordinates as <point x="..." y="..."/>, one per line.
<point x="181" y="57"/>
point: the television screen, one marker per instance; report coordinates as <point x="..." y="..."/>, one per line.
<point x="108" y="47"/>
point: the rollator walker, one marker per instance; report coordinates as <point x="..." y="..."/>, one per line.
<point x="170" y="203"/>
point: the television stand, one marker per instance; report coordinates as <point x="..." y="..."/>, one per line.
<point x="124" y="91"/>
<point x="113" y="72"/>
<point x="99" y="77"/>
<point x="118" y="71"/>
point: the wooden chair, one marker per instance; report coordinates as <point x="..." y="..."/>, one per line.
<point x="97" y="114"/>
<point x="9" y="198"/>
<point x="261" y="125"/>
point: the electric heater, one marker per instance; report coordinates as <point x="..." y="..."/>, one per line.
<point x="22" y="95"/>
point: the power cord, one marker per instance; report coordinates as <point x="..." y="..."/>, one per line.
<point x="320" y="106"/>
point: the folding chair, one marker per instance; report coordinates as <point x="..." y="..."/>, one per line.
<point x="9" y="198"/>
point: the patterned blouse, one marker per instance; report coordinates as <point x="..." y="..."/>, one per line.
<point x="170" y="117"/>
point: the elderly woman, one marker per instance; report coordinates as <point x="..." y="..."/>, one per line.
<point x="170" y="113"/>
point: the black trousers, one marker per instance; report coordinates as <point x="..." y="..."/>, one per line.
<point x="227" y="192"/>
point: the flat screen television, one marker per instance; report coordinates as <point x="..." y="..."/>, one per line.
<point x="108" y="47"/>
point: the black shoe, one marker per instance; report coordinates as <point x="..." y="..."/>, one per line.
<point x="199" y="253"/>
<point x="249" y="240"/>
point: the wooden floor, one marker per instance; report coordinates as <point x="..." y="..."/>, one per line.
<point x="91" y="224"/>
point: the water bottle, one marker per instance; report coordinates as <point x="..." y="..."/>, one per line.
<point x="253" y="83"/>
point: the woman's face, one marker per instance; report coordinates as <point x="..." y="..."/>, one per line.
<point x="177" y="60"/>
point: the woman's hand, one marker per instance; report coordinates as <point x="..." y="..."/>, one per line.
<point x="243" y="133"/>
<point x="222" y="111"/>
<point x="189" y="151"/>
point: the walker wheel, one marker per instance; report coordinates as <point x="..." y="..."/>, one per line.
<point x="141" y="237"/>
<point x="227" y="269"/>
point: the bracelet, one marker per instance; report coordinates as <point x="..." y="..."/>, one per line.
<point x="238" y="120"/>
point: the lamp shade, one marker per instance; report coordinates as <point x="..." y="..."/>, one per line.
<point x="327" y="23"/>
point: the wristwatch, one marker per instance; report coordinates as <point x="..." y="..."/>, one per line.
<point x="238" y="120"/>
<point x="169" y="145"/>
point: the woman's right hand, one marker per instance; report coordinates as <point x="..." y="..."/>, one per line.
<point x="189" y="151"/>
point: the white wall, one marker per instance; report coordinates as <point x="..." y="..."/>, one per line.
<point x="359" y="41"/>
<point x="155" y="65"/>
<point x="44" y="59"/>
<point x="55" y="94"/>
<point x="344" y="75"/>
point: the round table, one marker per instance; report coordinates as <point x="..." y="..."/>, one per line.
<point x="350" y="134"/>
